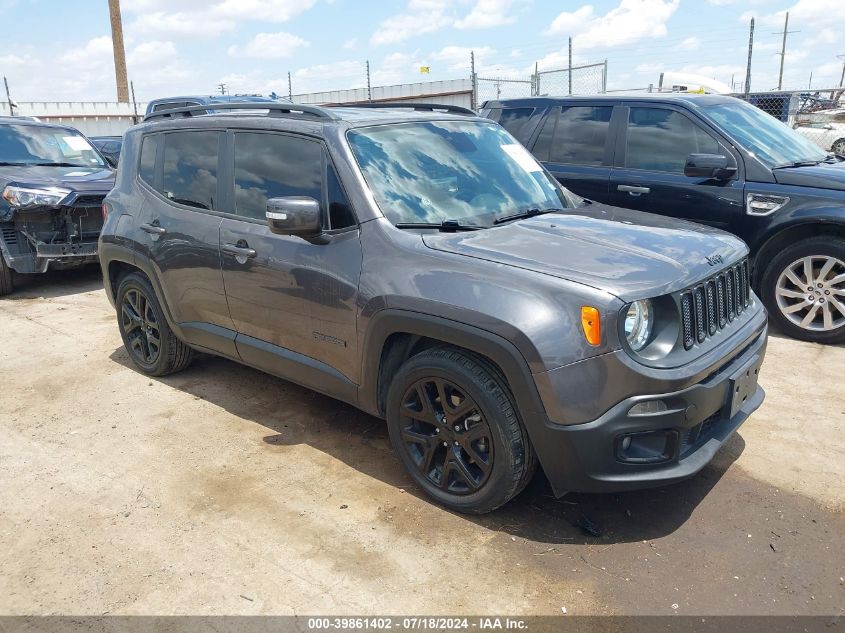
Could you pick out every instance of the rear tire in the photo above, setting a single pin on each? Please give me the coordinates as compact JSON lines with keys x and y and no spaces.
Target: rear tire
{"x":803,"y":287}
{"x":838,"y":147}
{"x":151,"y":344}
{"x":6,"y":277}
{"x":472,"y":454}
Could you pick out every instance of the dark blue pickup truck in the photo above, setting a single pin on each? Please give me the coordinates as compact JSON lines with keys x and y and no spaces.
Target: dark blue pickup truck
{"x":715,"y":160}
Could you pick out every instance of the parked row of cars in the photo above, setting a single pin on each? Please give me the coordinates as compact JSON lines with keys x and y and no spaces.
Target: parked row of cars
{"x":419,"y":263}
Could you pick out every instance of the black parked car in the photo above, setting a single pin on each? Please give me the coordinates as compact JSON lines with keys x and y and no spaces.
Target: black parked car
{"x":425,"y":268}
{"x":109,"y":147}
{"x":715,"y":160}
{"x":52,"y":185}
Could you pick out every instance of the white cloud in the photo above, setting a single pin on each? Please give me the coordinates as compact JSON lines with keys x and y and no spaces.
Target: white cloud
{"x":809,"y":13}
{"x":486,"y":14}
{"x":424,"y":16}
{"x":457,"y":58}
{"x":631,"y":21}
{"x":194,"y":18}
{"x":151,"y":53}
{"x":690,"y":43}
{"x":270,"y":46}
{"x":351,"y":44}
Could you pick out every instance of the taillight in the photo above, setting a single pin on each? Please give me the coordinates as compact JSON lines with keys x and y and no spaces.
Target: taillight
{"x":105,"y":211}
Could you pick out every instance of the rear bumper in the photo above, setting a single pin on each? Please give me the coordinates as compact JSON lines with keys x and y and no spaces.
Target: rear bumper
{"x":696,"y":422}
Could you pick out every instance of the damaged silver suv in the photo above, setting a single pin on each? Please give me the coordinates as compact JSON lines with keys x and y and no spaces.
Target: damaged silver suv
{"x":52,"y":185}
{"x":425,"y":268}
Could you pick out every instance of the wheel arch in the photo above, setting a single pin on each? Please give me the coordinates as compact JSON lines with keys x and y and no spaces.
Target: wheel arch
{"x":394,"y":335}
{"x":791,"y":234}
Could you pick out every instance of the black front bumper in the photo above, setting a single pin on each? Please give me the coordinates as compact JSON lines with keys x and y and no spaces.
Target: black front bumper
{"x":696,"y":422}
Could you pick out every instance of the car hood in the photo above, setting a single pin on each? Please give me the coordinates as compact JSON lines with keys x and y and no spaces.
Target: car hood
{"x":823,"y":176}
{"x":90,"y":180}
{"x":630,"y":254}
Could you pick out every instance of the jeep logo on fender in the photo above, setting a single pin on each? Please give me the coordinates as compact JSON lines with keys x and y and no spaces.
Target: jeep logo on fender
{"x":713,"y":260}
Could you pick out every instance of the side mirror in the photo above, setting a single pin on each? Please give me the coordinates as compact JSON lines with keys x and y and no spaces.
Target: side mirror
{"x":294,"y":215}
{"x":709,"y":166}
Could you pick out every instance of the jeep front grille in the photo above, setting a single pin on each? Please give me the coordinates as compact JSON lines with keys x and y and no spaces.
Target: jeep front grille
{"x":711,"y":305}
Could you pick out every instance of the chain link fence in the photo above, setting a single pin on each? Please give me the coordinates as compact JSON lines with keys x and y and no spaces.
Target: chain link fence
{"x":578,"y":80}
{"x":818,"y":115}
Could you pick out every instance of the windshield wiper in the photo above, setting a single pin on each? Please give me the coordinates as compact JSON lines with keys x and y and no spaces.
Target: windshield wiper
{"x":528,"y":213}
{"x":447,"y":226}
{"x":798,"y":163}
{"x":8,"y":164}
{"x":48,"y":164}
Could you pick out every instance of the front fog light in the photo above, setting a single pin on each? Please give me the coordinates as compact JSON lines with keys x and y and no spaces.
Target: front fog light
{"x":638,"y":324}
{"x":649,"y":407}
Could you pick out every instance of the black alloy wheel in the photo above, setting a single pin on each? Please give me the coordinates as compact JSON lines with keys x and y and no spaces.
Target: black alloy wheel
{"x":445,"y":434}
{"x":139,"y":323}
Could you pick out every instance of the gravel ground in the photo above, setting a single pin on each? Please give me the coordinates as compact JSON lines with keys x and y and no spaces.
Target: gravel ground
{"x":224,"y":490}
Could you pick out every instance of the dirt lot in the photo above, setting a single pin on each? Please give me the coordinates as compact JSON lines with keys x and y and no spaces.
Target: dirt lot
{"x":223,"y":490}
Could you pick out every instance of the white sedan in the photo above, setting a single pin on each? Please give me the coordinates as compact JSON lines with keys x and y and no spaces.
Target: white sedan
{"x":826,"y":132}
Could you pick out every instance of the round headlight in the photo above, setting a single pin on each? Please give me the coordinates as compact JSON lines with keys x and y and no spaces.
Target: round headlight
{"x":638,"y":323}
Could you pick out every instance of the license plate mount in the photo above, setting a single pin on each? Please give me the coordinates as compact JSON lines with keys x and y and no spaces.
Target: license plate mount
{"x":743,"y":384}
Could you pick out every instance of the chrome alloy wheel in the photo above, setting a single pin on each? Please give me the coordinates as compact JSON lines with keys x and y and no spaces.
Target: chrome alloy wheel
{"x":810,"y":293}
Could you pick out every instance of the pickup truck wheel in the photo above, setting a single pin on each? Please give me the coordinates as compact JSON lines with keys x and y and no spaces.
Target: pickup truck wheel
{"x":152,"y":345}
{"x":453,"y":424}
{"x":838,"y":147}
{"x":804,"y":289}
{"x":6,"y":281}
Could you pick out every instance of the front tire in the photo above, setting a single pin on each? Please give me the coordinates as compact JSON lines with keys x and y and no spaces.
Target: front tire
{"x":804,"y":289}
{"x":838,"y":147}
{"x":151,"y":344}
{"x":453,"y":423}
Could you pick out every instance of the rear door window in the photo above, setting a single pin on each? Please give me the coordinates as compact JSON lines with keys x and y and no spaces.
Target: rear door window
{"x":574,"y":135}
{"x":516,"y":121}
{"x":147,"y":167}
{"x":660,"y":139}
{"x":190,"y":168}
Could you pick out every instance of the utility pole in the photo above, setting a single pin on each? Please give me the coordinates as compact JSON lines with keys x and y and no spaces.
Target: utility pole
{"x":472,"y":79}
{"x":748,"y":67}
{"x":222,"y":88}
{"x":786,"y":32}
{"x":570,"y":65}
{"x":369,"y":88}
{"x":842,"y":77}
{"x":119,"y":52}
{"x":290,"y":89}
{"x":9,"y":97}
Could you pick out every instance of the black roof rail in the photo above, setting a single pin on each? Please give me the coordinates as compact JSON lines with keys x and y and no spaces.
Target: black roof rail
{"x":274,"y":109}
{"x":426,"y":107}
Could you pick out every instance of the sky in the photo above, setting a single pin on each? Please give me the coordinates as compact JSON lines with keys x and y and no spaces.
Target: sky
{"x":60,"y":50}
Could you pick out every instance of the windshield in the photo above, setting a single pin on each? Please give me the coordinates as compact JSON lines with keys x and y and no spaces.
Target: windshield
{"x":467,"y":171}
{"x":36,"y":145}
{"x":773,"y":142}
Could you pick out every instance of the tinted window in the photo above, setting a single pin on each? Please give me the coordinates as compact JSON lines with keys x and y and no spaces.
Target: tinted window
{"x":515,"y":121}
{"x":574,"y":135}
{"x":274,"y":166}
{"x":190,"y":168}
{"x":170,"y":105}
{"x":661,"y":140}
{"x":340,"y":213}
{"x":148,"y":159}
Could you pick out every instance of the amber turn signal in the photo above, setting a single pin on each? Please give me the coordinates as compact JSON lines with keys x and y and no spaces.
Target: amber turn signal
{"x":591,"y":322}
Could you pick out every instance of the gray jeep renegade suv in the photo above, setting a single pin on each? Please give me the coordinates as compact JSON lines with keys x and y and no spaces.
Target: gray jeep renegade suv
{"x":423,"y":267}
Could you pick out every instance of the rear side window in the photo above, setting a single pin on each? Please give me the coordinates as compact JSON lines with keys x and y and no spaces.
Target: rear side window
{"x":515,"y":121}
{"x":147,"y":168}
{"x":575,"y":135}
{"x":661,"y":140}
{"x":274,"y":166}
{"x":190,"y":168}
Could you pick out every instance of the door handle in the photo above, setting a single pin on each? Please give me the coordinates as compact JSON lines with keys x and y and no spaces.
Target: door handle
{"x":633,"y":191}
{"x":241,"y":252}
{"x":153,"y":229}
